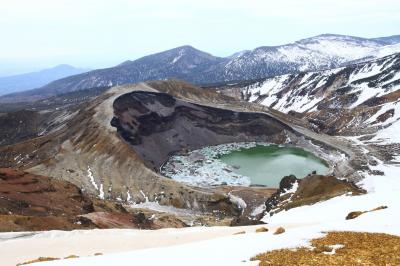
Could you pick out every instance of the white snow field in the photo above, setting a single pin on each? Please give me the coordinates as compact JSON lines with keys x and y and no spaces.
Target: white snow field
{"x":215,"y":245}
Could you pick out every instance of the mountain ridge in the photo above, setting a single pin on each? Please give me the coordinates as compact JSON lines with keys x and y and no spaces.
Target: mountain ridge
{"x":31,"y":80}
{"x":190,"y":64}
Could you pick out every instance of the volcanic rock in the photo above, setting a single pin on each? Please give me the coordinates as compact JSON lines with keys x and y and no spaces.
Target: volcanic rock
{"x":261,"y":230}
{"x":355,"y":214}
{"x":279,"y":230}
{"x":310,"y":190}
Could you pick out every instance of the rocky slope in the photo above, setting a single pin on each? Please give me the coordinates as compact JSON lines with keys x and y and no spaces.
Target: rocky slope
{"x":31,"y":202}
{"x":25,"y":199}
{"x":192,"y":65}
{"x":23,"y":121}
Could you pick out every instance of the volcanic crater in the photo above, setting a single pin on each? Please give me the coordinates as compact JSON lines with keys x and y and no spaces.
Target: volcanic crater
{"x":114,"y":145}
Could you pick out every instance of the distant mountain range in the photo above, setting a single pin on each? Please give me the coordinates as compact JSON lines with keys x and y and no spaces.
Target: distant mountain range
{"x":187,"y":63}
{"x":34,"y":80}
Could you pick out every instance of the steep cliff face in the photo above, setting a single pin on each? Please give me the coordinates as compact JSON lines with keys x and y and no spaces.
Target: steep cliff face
{"x":157,"y":125}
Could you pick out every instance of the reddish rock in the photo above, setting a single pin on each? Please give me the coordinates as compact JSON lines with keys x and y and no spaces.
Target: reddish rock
{"x":27,"y":194}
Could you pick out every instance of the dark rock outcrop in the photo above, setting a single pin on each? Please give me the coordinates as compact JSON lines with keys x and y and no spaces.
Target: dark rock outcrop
{"x":243,"y":221}
{"x":286,"y":184}
{"x":355,"y":214}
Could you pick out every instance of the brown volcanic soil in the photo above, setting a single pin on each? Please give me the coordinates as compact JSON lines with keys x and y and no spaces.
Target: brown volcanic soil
{"x":31,"y":202}
{"x":27,"y":194}
{"x":358,"y":249}
{"x":317,"y":188}
{"x":17,"y":223}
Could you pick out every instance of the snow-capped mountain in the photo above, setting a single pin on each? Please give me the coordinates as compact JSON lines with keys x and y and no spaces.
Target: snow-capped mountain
{"x":320,"y":52}
{"x":187,"y":63}
{"x":361,"y":96}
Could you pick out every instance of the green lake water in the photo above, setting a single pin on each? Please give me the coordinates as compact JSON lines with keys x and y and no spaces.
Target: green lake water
{"x":266,"y":165}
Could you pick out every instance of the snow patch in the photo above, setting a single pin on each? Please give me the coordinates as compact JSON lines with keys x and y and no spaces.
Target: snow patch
{"x":146,"y":199}
{"x":258,"y":210}
{"x":155,"y":206}
{"x":240,"y":203}
{"x":128,"y":196}
{"x":91,"y":178}
{"x":101,"y":192}
{"x":334,"y":248}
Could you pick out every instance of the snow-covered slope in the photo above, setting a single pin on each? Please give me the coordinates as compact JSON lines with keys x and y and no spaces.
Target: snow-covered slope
{"x":360,"y":96}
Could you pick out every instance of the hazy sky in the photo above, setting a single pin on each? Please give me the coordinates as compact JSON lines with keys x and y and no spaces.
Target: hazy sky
{"x":98,"y":33}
